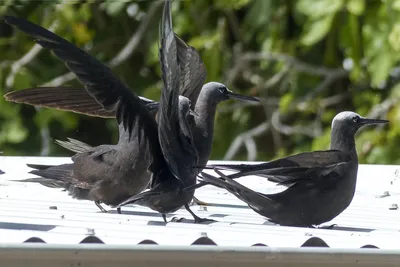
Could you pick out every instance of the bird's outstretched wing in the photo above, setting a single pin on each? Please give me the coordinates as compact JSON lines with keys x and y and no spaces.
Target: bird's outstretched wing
{"x":80,"y":101}
{"x":76,"y":100}
{"x":192,"y":69}
{"x":97,"y":78}
{"x":62,"y":98}
{"x":169,"y":114}
{"x":175,"y":136}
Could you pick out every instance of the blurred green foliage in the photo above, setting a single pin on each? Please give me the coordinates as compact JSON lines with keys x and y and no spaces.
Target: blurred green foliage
{"x":307,"y":60}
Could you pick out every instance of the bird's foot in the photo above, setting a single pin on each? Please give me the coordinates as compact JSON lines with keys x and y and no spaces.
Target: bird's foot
{"x":118,"y":211}
{"x":176,"y":219}
{"x":327,"y":226}
{"x":196,"y":201}
{"x":203,"y":220}
{"x":196,"y":218}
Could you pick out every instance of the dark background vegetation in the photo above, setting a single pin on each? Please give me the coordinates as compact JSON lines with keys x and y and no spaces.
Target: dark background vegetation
{"x":307,"y":60}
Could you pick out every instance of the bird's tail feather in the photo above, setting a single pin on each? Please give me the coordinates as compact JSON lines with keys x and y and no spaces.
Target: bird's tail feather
{"x":39,"y":166}
{"x":137,"y":198}
{"x":74,"y":145}
{"x":60,"y":174}
{"x":44,"y":181}
{"x":240,"y":191}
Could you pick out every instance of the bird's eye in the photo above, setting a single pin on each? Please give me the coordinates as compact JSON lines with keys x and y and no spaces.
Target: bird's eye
{"x":222,"y":89}
{"x":356,"y":119}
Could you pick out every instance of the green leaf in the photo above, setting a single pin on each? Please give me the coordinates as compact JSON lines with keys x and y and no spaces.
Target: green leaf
{"x":285,"y":102}
{"x":23,"y":79}
{"x":231,"y":4}
{"x":396,"y":5}
{"x":394,"y":37}
{"x":13,"y":132}
{"x":356,"y":7}
{"x":320,"y":8}
{"x":380,"y":66}
{"x":113,"y":8}
{"x":316,"y":30}
{"x":259,"y":14}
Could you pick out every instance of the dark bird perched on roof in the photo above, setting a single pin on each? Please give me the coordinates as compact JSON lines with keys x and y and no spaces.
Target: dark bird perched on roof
{"x":107,"y":173}
{"x":204,"y":98}
{"x":321,"y":184}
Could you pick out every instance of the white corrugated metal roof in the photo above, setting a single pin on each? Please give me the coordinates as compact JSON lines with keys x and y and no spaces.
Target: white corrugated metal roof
{"x":33,"y":213}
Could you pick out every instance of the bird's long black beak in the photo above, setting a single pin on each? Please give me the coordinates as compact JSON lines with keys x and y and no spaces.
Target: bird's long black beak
{"x":233,"y":95}
{"x":366,"y":121}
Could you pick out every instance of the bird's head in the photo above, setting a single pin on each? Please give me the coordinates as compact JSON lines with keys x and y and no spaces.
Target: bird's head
{"x":219,"y":92}
{"x":349,"y":122}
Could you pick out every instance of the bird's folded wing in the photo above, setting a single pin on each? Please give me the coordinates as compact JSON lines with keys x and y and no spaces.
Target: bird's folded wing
{"x":97,"y":78}
{"x":303,"y":160}
{"x":287,"y":170}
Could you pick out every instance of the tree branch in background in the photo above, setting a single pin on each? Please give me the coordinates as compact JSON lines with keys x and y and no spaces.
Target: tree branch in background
{"x":125,"y":52}
{"x":290,"y":130}
{"x":295,"y":63}
{"x":380,"y":109}
{"x":28,"y":57}
{"x":330,"y":75}
{"x":247,"y":138}
{"x":15,"y":68}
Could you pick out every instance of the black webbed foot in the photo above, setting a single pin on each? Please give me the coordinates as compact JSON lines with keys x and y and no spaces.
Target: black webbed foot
{"x":330,"y":227}
{"x":196,"y":218}
{"x":100,"y":207}
{"x":176,"y":219}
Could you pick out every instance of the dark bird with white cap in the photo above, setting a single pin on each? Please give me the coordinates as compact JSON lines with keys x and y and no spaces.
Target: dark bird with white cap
{"x":320,"y":184}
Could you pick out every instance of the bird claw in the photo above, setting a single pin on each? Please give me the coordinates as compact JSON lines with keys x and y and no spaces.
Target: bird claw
{"x":176,"y":219}
{"x":118,"y":211}
{"x":327,"y":226}
{"x":203,"y":220}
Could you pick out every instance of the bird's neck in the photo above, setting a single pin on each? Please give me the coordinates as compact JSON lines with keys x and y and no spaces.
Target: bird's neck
{"x":344,"y":142}
{"x":204,"y":126}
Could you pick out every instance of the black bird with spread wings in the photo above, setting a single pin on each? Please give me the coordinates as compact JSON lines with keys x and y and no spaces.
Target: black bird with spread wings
{"x":175,"y":134}
{"x":204,"y":98}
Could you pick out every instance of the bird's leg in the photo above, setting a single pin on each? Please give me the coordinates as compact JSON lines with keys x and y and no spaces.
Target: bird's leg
{"x":164,"y":217}
{"x":197,"y":219}
{"x":119,"y":210}
{"x":97,"y":202}
{"x":196,"y":201}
